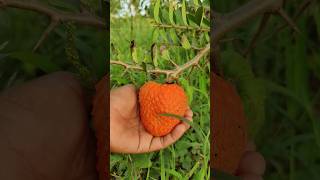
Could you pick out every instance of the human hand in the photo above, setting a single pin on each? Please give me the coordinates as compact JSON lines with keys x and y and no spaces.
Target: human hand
{"x":44,"y":131}
{"x":127,"y":134}
{"x":252,"y":164}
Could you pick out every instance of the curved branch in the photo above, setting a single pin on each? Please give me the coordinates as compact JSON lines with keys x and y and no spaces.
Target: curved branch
{"x":56,"y":16}
{"x":61,"y":16}
{"x":170,"y":73}
{"x":201,"y":29}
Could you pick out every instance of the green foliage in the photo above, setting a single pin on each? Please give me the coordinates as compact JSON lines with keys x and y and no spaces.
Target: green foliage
{"x":158,"y":39}
{"x":283,"y":72}
{"x":251,"y":89}
{"x":18,"y":63}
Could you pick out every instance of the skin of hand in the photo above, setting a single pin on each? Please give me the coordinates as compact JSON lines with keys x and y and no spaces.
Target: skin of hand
{"x":44,"y":131}
{"x":127,"y":134}
{"x":252,"y":164}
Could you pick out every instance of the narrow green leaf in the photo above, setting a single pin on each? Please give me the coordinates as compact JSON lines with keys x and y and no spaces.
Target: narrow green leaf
{"x":156,"y":11}
{"x":162,"y":169}
{"x":184,"y":12}
{"x":199,"y":16}
{"x":192,"y":171}
{"x":173,"y":36}
{"x":174,"y":173}
{"x":185,"y":42}
{"x":155,"y":35}
{"x":177,"y":117}
{"x":3,"y":45}
{"x":171,"y":13}
{"x":196,"y":3}
{"x":165,"y":54}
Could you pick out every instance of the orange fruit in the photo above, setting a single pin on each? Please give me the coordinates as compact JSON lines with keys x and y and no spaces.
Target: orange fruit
{"x":228,"y":127}
{"x":156,"y":99}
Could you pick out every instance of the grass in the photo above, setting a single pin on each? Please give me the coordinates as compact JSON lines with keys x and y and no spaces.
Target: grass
{"x":189,"y":157}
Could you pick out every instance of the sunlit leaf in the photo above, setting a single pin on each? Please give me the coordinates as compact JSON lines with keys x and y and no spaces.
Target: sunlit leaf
{"x":171,"y":10}
{"x":185,"y":42}
{"x":156,"y":11}
{"x":184,"y":12}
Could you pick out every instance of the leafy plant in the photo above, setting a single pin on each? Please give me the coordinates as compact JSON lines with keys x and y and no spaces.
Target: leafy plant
{"x":170,"y":42}
{"x":276,"y":74}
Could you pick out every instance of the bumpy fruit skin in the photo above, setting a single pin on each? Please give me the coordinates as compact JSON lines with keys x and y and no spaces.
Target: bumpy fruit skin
{"x":156,"y":99}
{"x":228,"y":126}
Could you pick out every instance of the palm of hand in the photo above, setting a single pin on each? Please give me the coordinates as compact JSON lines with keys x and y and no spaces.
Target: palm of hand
{"x":127,"y":133}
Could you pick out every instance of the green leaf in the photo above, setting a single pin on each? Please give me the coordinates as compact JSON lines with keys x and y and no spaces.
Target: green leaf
{"x":171,"y":10}
{"x":162,"y":170}
{"x":155,"y":35}
{"x":178,"y":117}
{"x":165,"y":54}
{"x":185,"y":42}
{"x":199,"y":16}
{"x":34,"y":60}
{"x":173,"y":36}
{"x":174,"y":173}
{"x":183,"y":12}
{"x":196,"y":3}
{"x":156,"y":11}
{"x":251,"y":90}
{"x":205,"y":22}
{"x":164,"y":16}
{"x":178,"y":16}
{"x":3,"y":45}
{"x":141,"y":160}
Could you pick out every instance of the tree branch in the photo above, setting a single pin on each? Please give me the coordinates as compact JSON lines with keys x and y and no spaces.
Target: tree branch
{"x":182,"y":27}
{"x":171,"y":74}
{"x":233,"y":20}
{"x":61,"y":16}
{"x":57,"y":16}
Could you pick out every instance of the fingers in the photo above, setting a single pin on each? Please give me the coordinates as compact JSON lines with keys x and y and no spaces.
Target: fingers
{"x":252,"y":163}
{"x":124,"y":100}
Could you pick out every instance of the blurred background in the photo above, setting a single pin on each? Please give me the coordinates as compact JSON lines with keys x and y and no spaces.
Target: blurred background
{"x":279,"y":80}
{"x":70,"y":46}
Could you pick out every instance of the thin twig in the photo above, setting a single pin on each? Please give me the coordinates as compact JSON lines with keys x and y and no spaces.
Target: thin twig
{"x":170,"y":73}
{"x":44,"y":35}
{"x":301,"y":9}
{"x":290,"y":22}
